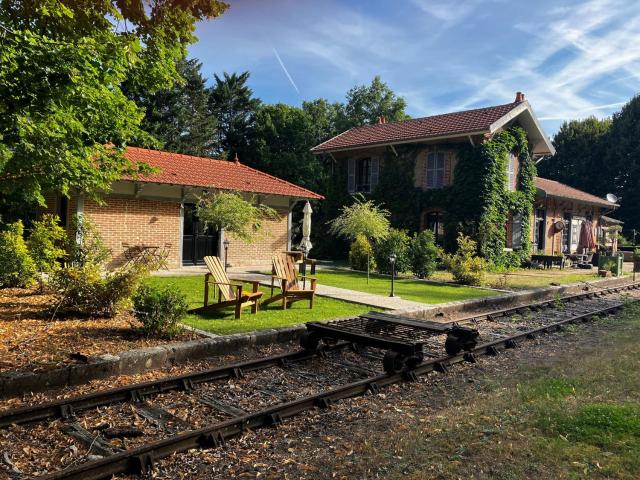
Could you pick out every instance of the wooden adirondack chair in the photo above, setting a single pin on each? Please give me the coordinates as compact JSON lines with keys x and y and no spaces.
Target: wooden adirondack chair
{"x":229,"y":294}
{"x":292,"y":289}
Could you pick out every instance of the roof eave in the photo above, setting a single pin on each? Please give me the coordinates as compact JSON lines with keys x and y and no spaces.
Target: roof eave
{"x":317,"y":151}
{"x":602,"y":204}
{"x":547,"y":149}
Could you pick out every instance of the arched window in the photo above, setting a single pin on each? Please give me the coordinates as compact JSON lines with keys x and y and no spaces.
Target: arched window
{"x":433,"y":222}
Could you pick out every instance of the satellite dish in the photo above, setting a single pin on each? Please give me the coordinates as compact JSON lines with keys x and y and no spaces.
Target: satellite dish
{"x":612,"y":198}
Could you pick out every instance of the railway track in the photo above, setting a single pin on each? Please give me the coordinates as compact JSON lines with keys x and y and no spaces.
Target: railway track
{"x":128,"y":429}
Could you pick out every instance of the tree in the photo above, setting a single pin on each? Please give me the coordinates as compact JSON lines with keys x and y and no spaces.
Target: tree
{"x":46,"y":244}
{"x":361,"y":218}
{"x":180,"y":118}
{"x":64,"y":117}
{"x":366,"y":104}
{"x":230,"y":212}
{"x":283,"y":135}
{"x":232,"y":103}
{"x":624,"y":159}
{"x":581,"y":146}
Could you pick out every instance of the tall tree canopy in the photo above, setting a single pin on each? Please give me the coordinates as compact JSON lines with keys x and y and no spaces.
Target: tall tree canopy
{"x":624,"y":157}
{"x":62,"y":66}
{"x":180,"y":117}
{"x":234,"y":106}
{"x":581,"y":146}
{"x":365,"y":104}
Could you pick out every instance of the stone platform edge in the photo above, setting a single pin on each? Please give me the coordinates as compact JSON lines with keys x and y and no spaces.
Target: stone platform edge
{"x":152,"y":358}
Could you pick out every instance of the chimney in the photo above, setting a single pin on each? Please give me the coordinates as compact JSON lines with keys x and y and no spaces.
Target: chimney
{"x":236,"y":159}
{"x":380,"y":120}
{"x":519,"y":97}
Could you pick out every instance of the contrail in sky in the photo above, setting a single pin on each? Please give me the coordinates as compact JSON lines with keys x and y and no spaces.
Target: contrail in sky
{"x":286,"y":72}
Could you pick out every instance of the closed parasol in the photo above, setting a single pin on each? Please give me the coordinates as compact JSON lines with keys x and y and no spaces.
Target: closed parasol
{"x":305,"y":244}
{"x":586,"y":240}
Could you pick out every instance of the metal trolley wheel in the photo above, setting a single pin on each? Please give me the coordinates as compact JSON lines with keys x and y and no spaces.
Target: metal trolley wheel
{"x":310,"y":341}
{"x":394,"y":362}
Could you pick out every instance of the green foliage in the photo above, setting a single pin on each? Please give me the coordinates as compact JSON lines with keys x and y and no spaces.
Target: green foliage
{"x":361,"y":251}
{"x":362,"y":217}
{"x":87,"y":246}
{"x":424,"y":254}
{"x":396,"y":242}
{"x":581,"y":146}
{"x":365,"y":104}
{"x":232,"y":103}
{"x":17,"y":268}
{"x":62,"y":68}
{"x":46,"y":243}
{"x":87,"y":290}
{"x":179,"y":117}
{"x":231,"y":212}
{"x":160,"y":309}
{"x":465,"y":266}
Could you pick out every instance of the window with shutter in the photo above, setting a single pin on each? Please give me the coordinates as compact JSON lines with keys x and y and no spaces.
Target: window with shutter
{"x":375,"y":172}
{"x":435,"y":169}
{"x":516,"y":232}
{"x":351,"y":175}
{"x":511,"y":173}
{"x":363,"y":175}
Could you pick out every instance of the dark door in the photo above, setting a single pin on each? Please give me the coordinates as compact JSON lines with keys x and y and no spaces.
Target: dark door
{"x":539,"y":229}
{"x":197,"y":242}
{"x":566,"y":233}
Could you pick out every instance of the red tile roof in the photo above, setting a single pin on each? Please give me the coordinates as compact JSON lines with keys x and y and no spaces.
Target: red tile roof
{"x":187,"y":170}
{"x":478,"y":120}
{"x":560,"y":190}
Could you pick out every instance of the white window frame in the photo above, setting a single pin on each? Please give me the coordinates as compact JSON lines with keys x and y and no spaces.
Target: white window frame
{"x":511,"y":173}
{"x":434,"y":177}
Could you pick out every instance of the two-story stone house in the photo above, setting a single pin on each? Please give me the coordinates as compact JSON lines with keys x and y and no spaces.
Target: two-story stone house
{"x":434,"y":143}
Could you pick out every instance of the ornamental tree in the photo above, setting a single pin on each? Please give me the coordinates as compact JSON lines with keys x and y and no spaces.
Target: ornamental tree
{"x":64,"y":119}
{"x":230,"y":212}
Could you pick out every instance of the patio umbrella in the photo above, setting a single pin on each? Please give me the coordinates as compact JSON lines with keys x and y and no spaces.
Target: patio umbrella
{"x":586,"y":240}
{"x":305,"y":244}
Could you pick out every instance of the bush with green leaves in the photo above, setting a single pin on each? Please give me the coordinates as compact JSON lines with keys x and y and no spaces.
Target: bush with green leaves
{"x":424,"y":254}
{"x":17,"y":268}
{"x":396,"y":242}
{"x":360,"y":251}
{"x":86,"y":246}
{"x":46,"y":243}
{"x":159,"y":309}
{"x":88,"y":290}
{"x":465,"y":266}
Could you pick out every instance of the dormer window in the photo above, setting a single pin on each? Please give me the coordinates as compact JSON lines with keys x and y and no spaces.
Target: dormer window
{"x":511,"y":173}
{"x":435,"y":169}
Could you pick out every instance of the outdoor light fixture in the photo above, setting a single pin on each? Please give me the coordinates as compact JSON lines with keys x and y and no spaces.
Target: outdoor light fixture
{"x":392,"y":259}
{"x":226,"y":253}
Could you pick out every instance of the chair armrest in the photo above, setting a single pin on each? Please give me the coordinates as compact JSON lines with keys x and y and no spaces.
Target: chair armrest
{"x":213,"y":282}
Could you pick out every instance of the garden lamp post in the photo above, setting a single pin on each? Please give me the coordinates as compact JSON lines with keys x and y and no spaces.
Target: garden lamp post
{"x":226,"y":253}
{"x":392,"y":260}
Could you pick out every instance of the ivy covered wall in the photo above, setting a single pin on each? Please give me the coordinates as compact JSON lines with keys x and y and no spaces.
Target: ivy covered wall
{"x":477,"y":203}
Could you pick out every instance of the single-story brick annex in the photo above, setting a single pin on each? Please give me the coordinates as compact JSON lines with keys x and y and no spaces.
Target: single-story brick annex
{"x":159,"y":209}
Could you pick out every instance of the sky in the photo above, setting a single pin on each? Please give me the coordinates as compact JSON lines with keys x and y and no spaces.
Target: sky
{"x":572,"y":59}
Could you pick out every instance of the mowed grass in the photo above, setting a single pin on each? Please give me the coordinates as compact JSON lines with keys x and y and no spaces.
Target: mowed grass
{"x":272,"y":316}
{"x":572,"y":416}
{"x":409,"y":289}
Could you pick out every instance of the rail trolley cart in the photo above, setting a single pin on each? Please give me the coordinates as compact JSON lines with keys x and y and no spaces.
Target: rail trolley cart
{"x":402,"y":337}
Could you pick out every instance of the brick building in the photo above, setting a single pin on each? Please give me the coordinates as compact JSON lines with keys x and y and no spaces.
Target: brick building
{"x":159,"y":209}
{"x":428,"y":147}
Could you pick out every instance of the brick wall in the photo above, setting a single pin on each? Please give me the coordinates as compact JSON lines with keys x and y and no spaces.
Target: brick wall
{"x":136,"y":221}
{"x":273,"y":239}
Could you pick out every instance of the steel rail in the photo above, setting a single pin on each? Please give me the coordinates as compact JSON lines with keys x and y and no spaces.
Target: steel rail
{"x":141,"y":460}
{"x":66,"y":408}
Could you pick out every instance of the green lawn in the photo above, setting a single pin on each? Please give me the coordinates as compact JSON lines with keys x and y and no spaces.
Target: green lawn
{"x":272,"y":316}
{"x":409,"y":289}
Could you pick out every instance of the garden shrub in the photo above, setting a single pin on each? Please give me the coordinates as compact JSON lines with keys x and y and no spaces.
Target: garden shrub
{"x":396,"y":242}
{"x":86,"y":246}
{"x":89,"y":291}
{"x":159,"y":309}
{"x":465,"y":266}
{"x":17,"y":268}
{"x":46,"y":243}
{"x":424,"y":254}
{"x":361,"y":250}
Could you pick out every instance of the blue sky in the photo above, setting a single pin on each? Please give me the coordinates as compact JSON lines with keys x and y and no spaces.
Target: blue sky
{"x":572,"y":59}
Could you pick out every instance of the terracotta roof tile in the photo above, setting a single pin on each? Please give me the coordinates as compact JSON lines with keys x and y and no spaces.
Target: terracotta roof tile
{"x":187,"y":170}
{"x":478,"y":120}
{"x":560,"y":190}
